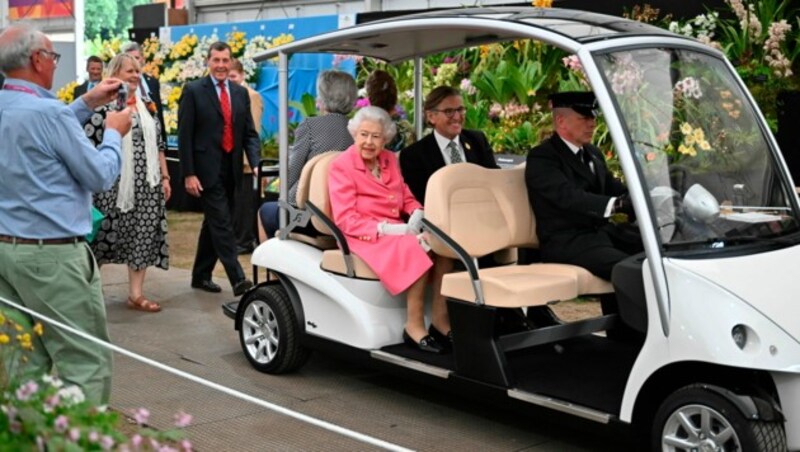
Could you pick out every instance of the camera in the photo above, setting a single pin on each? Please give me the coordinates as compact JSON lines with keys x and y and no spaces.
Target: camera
{"x":122,"y":97}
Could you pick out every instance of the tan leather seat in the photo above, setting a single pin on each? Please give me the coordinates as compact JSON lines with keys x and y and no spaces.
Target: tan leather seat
{"x":486,"y":210}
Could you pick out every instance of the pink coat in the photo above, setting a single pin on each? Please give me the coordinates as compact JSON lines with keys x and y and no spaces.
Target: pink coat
{"x":360,"y":201}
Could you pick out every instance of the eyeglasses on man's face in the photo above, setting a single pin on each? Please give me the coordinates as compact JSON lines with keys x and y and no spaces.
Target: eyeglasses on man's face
{"x":55,"y":56}
{"x":450,"y":112}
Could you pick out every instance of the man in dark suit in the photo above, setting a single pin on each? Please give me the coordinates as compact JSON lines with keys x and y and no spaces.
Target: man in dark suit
{"x":449,"y":142}
{"x":149,"y":87}
{"x":94,"y":68}
{"x":214,"y":128}
{"x":573,"y":194}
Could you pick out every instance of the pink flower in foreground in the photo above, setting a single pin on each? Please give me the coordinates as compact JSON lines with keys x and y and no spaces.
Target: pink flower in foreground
{"x":141,"y":415}
{"x":74,"y":434}
{"x":362,"y":102}
{"x":107,"y":442}
{"x":25,"y":391}
{"x":186,"y":445}
{"x":61,"y":424}
{"x":182,"y":419}
{"x":136,"y":440}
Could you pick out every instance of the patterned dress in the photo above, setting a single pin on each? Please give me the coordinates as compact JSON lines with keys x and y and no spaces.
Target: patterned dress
{"x":137,"y":238}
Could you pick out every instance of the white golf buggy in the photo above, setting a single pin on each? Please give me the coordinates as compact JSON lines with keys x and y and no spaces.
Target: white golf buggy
{"x":711,"y":355}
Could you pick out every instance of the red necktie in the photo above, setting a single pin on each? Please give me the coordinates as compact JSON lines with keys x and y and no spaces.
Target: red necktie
{"x":227,"y":127}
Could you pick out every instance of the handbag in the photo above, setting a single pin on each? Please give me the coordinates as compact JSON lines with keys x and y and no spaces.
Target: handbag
{"x":97,"y":220}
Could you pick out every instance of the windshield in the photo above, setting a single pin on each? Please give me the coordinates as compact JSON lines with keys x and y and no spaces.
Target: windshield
{"x":705,"y":162}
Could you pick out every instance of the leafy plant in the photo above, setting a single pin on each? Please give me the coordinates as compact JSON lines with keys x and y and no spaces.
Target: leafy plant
{"x":43,"y":413}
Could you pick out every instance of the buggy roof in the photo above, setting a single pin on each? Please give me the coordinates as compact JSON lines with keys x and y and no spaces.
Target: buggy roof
{"x":417,"y":35}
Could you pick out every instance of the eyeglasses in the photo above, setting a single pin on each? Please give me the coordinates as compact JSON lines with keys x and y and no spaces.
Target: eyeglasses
{"x":450,"y":112}
{"x":55,"y":56}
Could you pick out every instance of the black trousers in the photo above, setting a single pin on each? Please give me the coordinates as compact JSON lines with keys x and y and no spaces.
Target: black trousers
{"x":595,"y":250}
{"x":217,"y":239}
{"x":244,"y":216}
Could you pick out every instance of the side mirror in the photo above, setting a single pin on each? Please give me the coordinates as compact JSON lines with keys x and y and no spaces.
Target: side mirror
{"x":700,"y":204}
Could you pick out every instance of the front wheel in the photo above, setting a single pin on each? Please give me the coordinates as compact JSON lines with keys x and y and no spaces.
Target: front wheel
{"x":696,"y":419}
{"x":269,"y":334}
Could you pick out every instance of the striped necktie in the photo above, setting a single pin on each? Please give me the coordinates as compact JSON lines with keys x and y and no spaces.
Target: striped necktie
{"x":455,"y":153}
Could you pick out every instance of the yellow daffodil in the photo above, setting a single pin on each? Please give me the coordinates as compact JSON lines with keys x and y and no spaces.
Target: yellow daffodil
{"x":687,"y":150}
{"x":686,"y":128}
{"x":704,"y":145}
{"x":689,"y":140}
{"x":698,"y":134}
{"x":38,"y":329}
{"x":4,"y":339}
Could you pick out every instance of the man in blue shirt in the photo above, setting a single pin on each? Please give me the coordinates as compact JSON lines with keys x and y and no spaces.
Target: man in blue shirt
{"x":48,"y":171}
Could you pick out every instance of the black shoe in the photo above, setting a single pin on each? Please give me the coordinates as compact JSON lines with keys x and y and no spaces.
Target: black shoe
{"x":426,"y":344}
{"x":242,"y":287}
{"x":444,"y":340}
{"x":207,"y":285}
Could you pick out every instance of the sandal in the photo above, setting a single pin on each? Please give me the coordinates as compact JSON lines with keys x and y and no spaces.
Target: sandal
{"x":143,"y":304}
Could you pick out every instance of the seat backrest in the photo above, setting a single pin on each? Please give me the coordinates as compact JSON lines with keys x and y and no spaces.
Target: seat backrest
{"x":318,"y":190}
{"x":304,"y":183}
{"x":484,"y":210}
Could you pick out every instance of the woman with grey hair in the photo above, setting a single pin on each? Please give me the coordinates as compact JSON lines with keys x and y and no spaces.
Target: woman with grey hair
{"x":336,"y":97}
{"x":380,"y":218}
{"x":134,"y":231}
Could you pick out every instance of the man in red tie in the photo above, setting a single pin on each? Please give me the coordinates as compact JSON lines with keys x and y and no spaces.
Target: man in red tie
{"x":214,"y":128}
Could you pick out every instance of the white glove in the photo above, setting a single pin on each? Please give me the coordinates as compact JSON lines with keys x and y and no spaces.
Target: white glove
{"x":385,"y":228}
{"x":415,"y":221}
{"x":423,"y":243}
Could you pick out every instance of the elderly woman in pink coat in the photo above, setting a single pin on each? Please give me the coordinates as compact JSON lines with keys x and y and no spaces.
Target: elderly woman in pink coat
{"x":377,"y":213}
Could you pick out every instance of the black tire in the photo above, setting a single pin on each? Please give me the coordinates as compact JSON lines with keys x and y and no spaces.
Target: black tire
{"x":695,"y":401}
{"x":268,"y":334}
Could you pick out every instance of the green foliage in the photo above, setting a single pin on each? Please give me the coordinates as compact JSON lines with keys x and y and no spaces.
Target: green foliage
{"x":100,"y":19}
{"x":307,"y":106}
{"x":108,"y":18}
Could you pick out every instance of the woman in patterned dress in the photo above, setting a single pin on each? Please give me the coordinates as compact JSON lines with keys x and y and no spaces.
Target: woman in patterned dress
{"x":134,"y":231}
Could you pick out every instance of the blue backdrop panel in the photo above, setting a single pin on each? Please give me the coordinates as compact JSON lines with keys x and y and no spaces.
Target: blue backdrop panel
{"x":303,"y":68}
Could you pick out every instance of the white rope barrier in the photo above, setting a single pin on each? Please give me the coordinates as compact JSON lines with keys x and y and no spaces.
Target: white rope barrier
{"x":210,"y":384}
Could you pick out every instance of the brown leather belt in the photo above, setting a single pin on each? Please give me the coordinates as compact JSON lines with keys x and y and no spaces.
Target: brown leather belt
{"x":21,"y":241}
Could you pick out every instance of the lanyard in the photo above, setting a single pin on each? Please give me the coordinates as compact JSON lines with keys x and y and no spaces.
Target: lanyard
{"x":19,"y":88}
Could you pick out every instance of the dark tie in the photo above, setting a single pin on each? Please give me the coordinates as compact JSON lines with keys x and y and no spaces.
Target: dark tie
{"x":227,"y":126}
{"x":584,"y":156}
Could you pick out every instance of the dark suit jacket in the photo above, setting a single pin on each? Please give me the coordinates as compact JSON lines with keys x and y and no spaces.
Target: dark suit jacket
{"x":80,"y":90}
{"x":200,"y":131}
{"x":566,"y":197}
{"x":155,"y":95}
{"x":420,"y":160}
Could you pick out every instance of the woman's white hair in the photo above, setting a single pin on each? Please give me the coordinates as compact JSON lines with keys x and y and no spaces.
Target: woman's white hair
{"x":336,"y":91}
{"x":374,"y":114}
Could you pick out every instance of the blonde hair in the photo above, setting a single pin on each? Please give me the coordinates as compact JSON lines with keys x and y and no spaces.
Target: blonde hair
{"x":115,"y":65}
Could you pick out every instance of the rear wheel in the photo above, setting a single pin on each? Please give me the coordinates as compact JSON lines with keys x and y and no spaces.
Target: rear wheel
{"x":696,"y":419}
{"x":269,"y":334}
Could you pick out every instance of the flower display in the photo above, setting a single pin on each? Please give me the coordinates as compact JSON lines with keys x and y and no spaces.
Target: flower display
{"x":183,"y":48}
{"x":505,"y":84}
{"x":67,"y":92}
